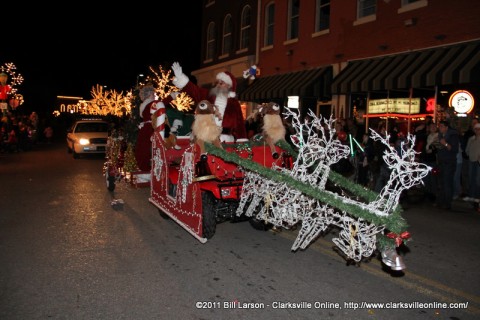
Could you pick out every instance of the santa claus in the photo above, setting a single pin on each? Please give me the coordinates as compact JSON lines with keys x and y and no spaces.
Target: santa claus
{"x":150,"y":107}
{"x":223,"y":96}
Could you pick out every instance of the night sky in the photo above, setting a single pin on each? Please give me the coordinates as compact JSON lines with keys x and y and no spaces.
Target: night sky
{"x":69,"y":51}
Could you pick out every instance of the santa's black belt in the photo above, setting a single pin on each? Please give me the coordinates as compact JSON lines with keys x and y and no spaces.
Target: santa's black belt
{"x":226,"y":131}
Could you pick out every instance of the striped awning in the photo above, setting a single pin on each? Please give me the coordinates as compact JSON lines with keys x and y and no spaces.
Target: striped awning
{"x":448,"y":65}
{"x":309,"y":83}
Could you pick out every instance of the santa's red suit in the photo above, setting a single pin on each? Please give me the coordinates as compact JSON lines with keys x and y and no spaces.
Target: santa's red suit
{"x":233,"y":123}
{"x":143,"y":146}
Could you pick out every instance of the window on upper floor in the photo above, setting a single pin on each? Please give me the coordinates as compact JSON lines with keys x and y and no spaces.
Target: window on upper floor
{"x":210,"y":41}
{"x":269,"y":24}
{"x":322,"y":15}
{"x":245,"y":27}
{"x":293,"y":17}
{"x":227,"y":35}
{"x":366,"y":8}
{"x":408,"y":5}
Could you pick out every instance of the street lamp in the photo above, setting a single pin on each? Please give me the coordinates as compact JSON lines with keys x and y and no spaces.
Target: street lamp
{"x":138,"y":76}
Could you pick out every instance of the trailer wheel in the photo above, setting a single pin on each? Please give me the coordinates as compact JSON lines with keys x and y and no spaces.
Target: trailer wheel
{"x":209,"y":219}
{"x":163,"y":215}
{"x":259,"y":224}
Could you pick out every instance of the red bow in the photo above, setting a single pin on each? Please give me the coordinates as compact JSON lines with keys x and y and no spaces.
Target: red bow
{"x":399,"y":237}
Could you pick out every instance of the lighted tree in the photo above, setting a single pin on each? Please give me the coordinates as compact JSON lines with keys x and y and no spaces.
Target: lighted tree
{"x":163,"y":88}
{"x":15,"y":79}
{"x":130,"y":164}
{"x":109,"y":102}
{"x":162,"y":82}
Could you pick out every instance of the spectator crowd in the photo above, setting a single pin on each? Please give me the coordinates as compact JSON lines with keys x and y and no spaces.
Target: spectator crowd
{"x":21,"y":132}
{"x":452,"y":152}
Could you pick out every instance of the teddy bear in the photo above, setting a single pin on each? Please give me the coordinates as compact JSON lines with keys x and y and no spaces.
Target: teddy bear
{"x":204,"y":127}
{"x":273,"y":129}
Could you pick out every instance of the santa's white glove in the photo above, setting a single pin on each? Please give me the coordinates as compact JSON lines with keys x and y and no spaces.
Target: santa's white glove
{"x":177,"y":69}
{"x":180,"y":79}
{"x":176,"y":125}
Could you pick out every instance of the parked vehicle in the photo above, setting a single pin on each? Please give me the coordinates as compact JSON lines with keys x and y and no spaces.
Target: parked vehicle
{"x":87,"y":136}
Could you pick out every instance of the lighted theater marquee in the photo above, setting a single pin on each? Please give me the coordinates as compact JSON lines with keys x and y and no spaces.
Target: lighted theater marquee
{"x":462,"y":101}
{"x":394,"y":105}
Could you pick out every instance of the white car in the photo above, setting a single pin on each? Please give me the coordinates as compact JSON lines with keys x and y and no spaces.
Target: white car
{"x":87,"y":136}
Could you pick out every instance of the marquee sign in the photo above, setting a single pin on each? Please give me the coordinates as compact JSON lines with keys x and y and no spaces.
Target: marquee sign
{"x":394,"y":105}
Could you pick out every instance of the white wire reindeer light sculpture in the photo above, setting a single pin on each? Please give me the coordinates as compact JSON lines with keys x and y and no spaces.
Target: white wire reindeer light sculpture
{"x":283,"y":206}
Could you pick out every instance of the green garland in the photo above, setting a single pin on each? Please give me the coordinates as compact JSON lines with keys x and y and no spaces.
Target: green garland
{"x":393,"y":222}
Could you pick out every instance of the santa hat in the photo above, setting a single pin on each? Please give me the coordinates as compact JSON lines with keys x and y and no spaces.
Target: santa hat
{"x":229,"y":79}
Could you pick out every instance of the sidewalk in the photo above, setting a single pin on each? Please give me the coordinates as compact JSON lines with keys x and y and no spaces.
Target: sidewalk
{"x":415,"y":198}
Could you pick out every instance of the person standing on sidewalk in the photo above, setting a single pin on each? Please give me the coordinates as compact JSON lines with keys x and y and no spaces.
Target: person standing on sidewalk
{"x":473,"y":152}
{"x":447,"y":162}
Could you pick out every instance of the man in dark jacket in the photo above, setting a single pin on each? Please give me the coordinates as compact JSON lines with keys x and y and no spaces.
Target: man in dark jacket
{"x":449,"y":142}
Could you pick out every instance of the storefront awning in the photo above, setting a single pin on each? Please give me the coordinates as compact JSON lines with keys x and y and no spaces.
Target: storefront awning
{"x":309,"y":83}
{"x":449,"y":65}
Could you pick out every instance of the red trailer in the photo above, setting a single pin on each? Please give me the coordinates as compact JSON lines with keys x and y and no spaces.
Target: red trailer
{"x":200,"y":194}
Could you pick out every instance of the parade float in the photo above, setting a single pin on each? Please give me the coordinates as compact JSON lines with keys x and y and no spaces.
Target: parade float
{"x":294,"y":189}
{"x":275,"y":184}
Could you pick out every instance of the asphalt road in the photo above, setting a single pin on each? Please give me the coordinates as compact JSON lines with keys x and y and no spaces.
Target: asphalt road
{"x":66,"y":253}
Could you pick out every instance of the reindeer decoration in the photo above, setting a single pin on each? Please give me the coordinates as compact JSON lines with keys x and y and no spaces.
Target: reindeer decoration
{"x":318,"y":149}
{"x":405,"y":173}
{"x":273,"y":129}
{"x":276,"y":202}
{"x":204,"y":128}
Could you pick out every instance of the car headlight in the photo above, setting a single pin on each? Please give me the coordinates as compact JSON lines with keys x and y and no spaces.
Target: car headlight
{"x":84,"y":141}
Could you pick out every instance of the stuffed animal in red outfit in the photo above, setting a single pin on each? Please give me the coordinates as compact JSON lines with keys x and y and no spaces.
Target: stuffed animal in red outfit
{"x":204,"y":127}
{"x":273,"y":129}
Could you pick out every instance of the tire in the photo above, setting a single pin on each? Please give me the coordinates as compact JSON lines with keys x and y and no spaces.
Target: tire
{"x":110,"y":182}
{"x":163,"y":215}
{"x":75,"y":155}
{"x":259,"y":224}
{"x":209,"y":219}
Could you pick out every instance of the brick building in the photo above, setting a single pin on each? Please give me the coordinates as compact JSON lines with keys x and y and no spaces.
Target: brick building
{"x":338,"y":56}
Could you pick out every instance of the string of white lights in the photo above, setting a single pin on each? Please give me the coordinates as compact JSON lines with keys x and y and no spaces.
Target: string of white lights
{"x":318,"y":148}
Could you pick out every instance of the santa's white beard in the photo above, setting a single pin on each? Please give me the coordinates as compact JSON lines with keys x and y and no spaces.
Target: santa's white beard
{"x":219,"y":91}
{"x":221,"y":97}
